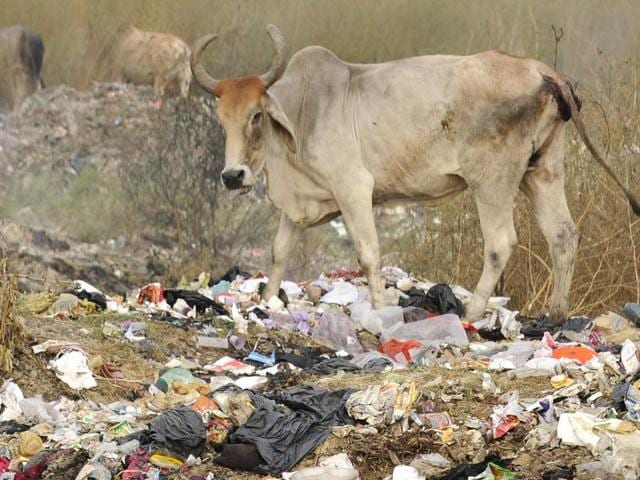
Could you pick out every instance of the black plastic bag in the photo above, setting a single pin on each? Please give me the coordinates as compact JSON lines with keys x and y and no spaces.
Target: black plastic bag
{"x":193,"y":299}
{"x":283,"y":436}
{"x":439,"y":299}
{"x":94,"y":297}
{"x":229,"y":276}
{"x":333,"y":365}
{"x":180,"y":430}
{"x":463,"y":472}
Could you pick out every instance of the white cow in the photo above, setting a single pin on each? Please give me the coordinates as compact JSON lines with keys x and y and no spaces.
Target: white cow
{"x":336,"y":138}
{"x":150,"y":58}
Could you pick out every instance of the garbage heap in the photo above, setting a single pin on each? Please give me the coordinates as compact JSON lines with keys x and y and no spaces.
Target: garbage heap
{"x":315,"y":383}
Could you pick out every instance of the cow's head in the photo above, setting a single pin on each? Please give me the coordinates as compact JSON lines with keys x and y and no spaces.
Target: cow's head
{"x":249,"y":116}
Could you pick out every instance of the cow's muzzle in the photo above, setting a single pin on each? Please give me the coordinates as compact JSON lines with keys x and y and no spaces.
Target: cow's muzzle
{"x":233,"y":179}
{"x":241,"y":179}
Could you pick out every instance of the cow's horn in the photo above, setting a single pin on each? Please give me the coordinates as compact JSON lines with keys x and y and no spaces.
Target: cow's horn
{"x":205,"y":80}
{"x":279,"y":60}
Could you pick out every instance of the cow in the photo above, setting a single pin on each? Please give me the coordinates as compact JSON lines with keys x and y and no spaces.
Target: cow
{"x":336,"y":138}
{"x":150,"y":58}
{"x":21,"y":55}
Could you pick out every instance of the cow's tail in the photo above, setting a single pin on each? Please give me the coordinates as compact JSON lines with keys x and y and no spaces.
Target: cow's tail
{"x":568,"y":97}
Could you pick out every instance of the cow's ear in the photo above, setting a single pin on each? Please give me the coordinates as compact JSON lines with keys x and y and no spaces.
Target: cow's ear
{"x":281,"y":123}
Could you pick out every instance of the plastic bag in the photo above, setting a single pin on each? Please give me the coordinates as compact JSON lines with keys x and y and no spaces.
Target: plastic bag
{"x":629,"y":357}
{"x":343,"y":293}
{"x":72,"y":367}
{"x":337,"y":331}
{"x":516,"y":356}
{"x":445,"y":329}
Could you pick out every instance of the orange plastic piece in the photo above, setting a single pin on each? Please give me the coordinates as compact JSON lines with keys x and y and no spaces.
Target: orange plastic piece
{"x":575,"y":352}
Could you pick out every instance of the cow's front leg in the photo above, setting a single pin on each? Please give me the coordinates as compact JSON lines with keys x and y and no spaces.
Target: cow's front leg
{"x":286,"y":238}
{"x":357,"y":209}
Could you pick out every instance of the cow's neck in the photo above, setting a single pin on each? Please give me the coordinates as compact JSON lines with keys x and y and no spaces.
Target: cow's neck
{"x":295,"y":189}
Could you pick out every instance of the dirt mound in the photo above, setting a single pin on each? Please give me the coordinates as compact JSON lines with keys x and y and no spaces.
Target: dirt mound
{"x":63,"y":129}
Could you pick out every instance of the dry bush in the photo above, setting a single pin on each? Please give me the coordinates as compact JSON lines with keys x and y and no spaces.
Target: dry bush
{"x":11,"y":329}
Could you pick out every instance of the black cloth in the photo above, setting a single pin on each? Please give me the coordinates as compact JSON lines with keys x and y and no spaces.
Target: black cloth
{"x":439,"y":299}
{"x":180,"y":430}
{"x":283,"y":436}
{"x":193,"y":299}
{"x":463,"y":472}
{"x":333,"y":365}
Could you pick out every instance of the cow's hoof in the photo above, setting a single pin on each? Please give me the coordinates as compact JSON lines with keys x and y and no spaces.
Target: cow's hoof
{"x":557,"y":317}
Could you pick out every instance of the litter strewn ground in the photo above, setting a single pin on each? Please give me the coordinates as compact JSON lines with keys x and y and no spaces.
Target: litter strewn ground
{"x":205,"y":380}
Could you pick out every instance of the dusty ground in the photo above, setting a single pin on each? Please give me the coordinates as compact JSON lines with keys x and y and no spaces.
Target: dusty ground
{"x":373,"y":455}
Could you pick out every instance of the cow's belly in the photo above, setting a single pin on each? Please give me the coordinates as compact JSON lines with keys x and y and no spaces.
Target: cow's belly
{"x":430,"y":189}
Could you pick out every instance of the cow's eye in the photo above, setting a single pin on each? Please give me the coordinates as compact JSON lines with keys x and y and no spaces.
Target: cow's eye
{"x":256,"y":118}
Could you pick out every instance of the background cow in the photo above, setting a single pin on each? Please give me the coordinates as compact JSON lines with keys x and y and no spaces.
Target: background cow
{"x":21,"y":54}
{"x":335,"y":138}
{"x":149,"y":58}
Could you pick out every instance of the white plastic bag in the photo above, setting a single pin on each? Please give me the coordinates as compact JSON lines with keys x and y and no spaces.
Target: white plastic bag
{"x":445,"y":329}
{"x":72,"y":367}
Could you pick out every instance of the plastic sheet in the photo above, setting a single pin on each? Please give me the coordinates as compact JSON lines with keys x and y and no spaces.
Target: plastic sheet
{"x":283,"y":439}
{"x":337,"y":331}
{"x":343,"y":293}
{"x":445,"y":329}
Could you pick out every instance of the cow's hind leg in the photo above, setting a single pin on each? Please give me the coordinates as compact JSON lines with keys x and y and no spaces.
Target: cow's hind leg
{"x":284,"y":243}
{"x":545,"y":188}
{"x":495,"y":209}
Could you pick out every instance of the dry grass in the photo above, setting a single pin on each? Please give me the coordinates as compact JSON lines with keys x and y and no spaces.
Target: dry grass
{"x":12,"y":333}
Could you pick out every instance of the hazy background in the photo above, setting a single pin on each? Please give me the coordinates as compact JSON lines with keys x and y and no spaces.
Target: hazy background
{"x":598,"y":47}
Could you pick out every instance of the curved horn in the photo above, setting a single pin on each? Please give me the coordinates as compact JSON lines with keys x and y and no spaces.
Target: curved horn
{"x":206,"y":81}
{"x":279,"y":60}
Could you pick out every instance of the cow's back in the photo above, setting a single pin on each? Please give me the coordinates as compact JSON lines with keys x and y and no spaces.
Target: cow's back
{"x":418,"y":123}
{"x":142,"y":56}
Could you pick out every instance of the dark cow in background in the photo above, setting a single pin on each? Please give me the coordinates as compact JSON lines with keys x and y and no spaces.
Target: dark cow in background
{"x":21,"y":54}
